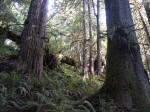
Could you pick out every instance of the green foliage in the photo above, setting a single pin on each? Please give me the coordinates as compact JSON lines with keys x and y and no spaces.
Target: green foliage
{"x":7,"y":50}
{"x":87,"y":106}
{"x":105,"y":106}
{"x":6,"y":14}
{"x":56,"y":45}
{"x":55,"y":92}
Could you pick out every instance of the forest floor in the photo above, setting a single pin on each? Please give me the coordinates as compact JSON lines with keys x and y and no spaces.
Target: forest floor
{"x":62,"y":90}
{"x":55,"y":92}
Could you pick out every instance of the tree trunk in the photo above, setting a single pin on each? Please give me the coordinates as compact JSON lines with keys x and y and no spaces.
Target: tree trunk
{"x":98,"y":40}
{"x":91,"y":39}
{"x":147,"y":8}
{"x":93,"y":4}
{"x":147,"y":61}
{"x":32,"y":43}
{"x":148,"y":38}
{"x":145,"y":28}
{"x":126,"y":80}
{"x":38,"y":42}
{"x":29,"y":32}
{"x":98,"y":63}
{"x":85,"y":62}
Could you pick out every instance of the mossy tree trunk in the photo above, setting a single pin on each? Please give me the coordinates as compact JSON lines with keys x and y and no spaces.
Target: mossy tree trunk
{"x":126,"y":80}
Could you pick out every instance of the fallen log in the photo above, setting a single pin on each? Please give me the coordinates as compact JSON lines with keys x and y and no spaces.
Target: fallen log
{"x":50,"y":59}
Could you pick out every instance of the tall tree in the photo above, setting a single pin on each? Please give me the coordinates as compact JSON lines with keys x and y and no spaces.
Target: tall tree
{"x":32,"y":37}
{"x":126,"y":80}
{"x":97,"y":15}
{"x":91,"y":39}
{"x":98,"y":39}
{"x":85,"y":61}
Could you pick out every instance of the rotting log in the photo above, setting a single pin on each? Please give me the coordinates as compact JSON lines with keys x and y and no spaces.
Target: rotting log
{"x":49,"y":58}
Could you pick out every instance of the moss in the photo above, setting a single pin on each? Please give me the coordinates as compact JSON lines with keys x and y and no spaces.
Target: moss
{"x":123,"y":80}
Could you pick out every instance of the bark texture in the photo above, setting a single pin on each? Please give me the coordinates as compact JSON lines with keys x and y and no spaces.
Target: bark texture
{"x":126,"y":80}
{"x":39,"y":39}
{"x":85,"y":61}
{"x":147,"y":8}
{"x":91,"y":39}
{"x":98,"y":40}
{"x":145,"y":28}
{"x":27,"y":37}
{"x":32,"y":43}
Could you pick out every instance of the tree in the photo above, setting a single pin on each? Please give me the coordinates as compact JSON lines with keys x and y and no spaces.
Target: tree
{"x":32,"y":37}
{"x":91,"y":39}
{"x":142,"y":29}
{"x":126,"y":80}
{"x":97,"y":15}
{"x":98,"y":40}
{"x":147,"y":8}
{"x":85,"y":64}
{"x":145,"y":27}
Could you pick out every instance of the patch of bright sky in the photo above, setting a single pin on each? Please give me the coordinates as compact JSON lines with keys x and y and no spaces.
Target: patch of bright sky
{"x":103,"y":17}
{"x":50,"y":7}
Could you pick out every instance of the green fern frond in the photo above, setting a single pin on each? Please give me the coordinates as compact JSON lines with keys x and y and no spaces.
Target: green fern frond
{"x":90,"y":105}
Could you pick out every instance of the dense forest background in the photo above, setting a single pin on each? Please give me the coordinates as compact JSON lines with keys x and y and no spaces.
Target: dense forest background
{"x":74,"y":55}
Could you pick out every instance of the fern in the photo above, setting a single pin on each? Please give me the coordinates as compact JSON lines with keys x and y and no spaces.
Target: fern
{"x":3,"y":89}
{"x":30,"y":105}
{"x":41,"y":97}
{"x":3,"y":100}
{"x":90,"y":105}
{"x":23,"y":91}
{"x":85,"y":108}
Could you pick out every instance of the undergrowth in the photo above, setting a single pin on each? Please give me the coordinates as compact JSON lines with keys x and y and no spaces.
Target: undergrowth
{"x":63,"y":91}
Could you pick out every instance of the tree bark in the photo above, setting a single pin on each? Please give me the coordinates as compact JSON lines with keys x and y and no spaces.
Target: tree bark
{"x":147,"y":9}
{"x":85,"y":62}
{"x":148,"y":38}
{"x":147,"y":61}
{"x":98,"y":63}
{"x":145,"y":28}
{"x":91,"y":39}
{"x":27,"y":37}
{"x":32,"y":43}
{"x":126,"y":82}
{"x":94,"y":8}
{"x":39,"y":39}
{"x":98,"y":40}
